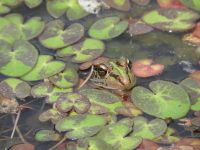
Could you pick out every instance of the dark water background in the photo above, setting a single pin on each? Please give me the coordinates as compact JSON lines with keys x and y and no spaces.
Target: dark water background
{"x":165,"y":48}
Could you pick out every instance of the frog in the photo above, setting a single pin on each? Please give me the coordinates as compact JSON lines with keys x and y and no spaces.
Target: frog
{"x":113,"y":74}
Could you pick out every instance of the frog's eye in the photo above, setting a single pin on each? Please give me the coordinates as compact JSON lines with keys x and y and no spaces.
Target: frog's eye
{"x":102,"y":70}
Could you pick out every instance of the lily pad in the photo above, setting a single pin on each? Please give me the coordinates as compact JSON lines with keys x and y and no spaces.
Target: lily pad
{"x":83,"y":51}
{"x":57,"y":8}
{"x":44,"y":68}
{"x":81,"y":126}
{"x":73,"y":101}
{"x":18,"y":59}
{"x":66,"y":79}
{"x":192,"y":87}
{"x":55,"y":36}
{"x":6,"y":5}
{"x":51,"y":114}
{"x":163,"y":100}
{"x":12,"y":88}
{"x":33,"y":3}
{"x":9,"y":31}
{"x":108,"y":28}
{"x":30,"y":29}
{"x":171,"y":19}
{"x":47,"y":135}
{"x":117,"y":136}
{"x":49,"y":91}
{"x":102,"y":101}
{"x":193,"y":4}
{"x":123,"y":5}
{"x":148,"y":130}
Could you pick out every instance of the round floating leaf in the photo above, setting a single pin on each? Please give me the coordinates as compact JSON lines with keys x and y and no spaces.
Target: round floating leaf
{"x":102,"y":101}
{"x":163,"y":100}
{"x":73,"y":10}
{"x":171,"y":19}
{"x":123,"y":5}
{"x":47,"y":135}
{"x":192,"y":87}
{"x":54,"y":35}
{"x":148,"y":130}
{"x":194,"y":4}
{"x":12,"y":88}
{"x":18,"y":59}
{"x":33,"y":3}
{"x":30,"y":29}
{"x":49,"y":91}
{"x":66,"y":79}
{"x":9,"y":31}
{"x":51,"y":114}
{"x":84,"y":51}
{"x":6,"y":5}
{"x":44,"y":68}
{"x":108,"y":28}
{"x":116,"y":136}
{"x":81,"y":126}
{"x":75,"y":101}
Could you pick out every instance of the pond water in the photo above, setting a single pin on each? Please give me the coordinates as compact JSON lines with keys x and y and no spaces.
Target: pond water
{"x":178,"y":57}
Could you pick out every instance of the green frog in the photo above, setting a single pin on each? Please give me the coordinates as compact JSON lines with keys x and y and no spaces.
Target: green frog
{"x":113,"y":74}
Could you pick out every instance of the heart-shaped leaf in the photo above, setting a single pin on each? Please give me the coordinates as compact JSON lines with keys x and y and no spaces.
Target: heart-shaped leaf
{"x":12,"y":88}
{"x":163,"y":100}
{"x":75,"y":101}
{"x":57,"y":8}
{"x":102,"y":101}
{"x":171,"y":19}
{"x":47,"y":135}
{"x":49,"y":91}
{"x":33,"y":3}
{"x":116,"y":135}
{"x":44,"y":68}
{"x":192,"y":87}
{"x":55,"y":36}
{"x":83,"y":51}
{"x":18,"y":59}
{"x":148,"y":130}
{"x":66,"y":79}
{"x":123,"y":5}
{"x":30,"y":29}
{"x":108,"y":28}
{"x":81,"y":126}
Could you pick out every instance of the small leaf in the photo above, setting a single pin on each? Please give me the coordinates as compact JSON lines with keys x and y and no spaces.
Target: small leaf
{"x":123,"y":5}
{"x":33,"y":3}
{"x":47,"y":135}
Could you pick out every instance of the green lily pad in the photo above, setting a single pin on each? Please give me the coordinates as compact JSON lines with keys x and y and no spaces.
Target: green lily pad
{"x":123,"y":5}
{"x":163,"y":100}
{"x":9,"y":32}
{"x":117,"y":136}
{"x":12,"y":88}
{"x":83,"y":51}
{"x":81,"y":126}
{"x":6,"y":5}
{"x":192,"y":87}
{"x":44,"y":68}
{"x":73,"y":101}
{"x":51,"y":114}
{"x":47,"y":90}
{"x":171,"y":19}
{"x":66,"y":79}
{"x":33,"y":3}
{"x":99,"y":144}
{"x":102,"y":101}
{"x":55,"y":36}
{"x":148,"y":130}
{"x":108,"y":28}
{"x":47,"y":135}
{"x":18,"y":59}
{"x":193,"y":4}
{"x":30,"y":29}
{"x":57,"y":8}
